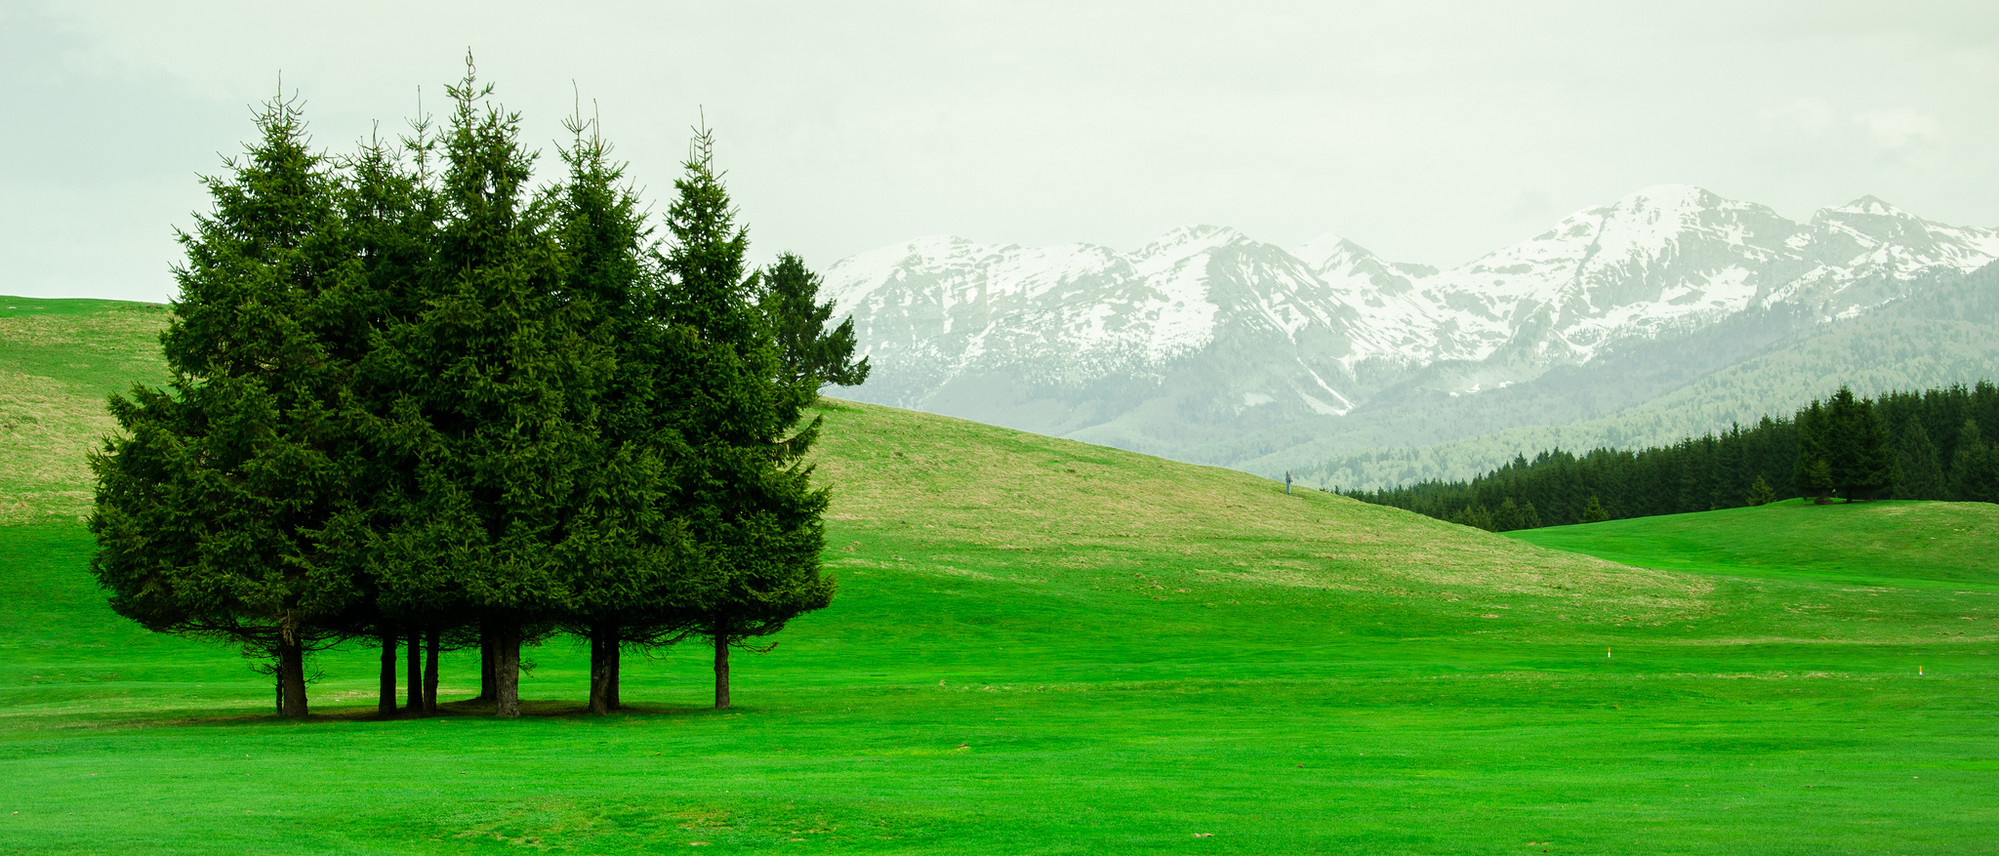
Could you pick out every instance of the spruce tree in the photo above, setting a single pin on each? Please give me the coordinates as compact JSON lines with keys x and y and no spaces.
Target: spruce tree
{"x":1593,"y":511}
{"x":491,"y":423}
{"x":629,"y":550}
{"x":1818,"y":481}
{"x":752,"y":514}
{"x":1974,"y":472}
{"x":1855,"y":447}
{"x":1760,"y":492}
{"x":213,"y":502}
{"x":1813,"y":473}
{"x":390,"y":211}
{"x":1922,"y":475}
{"x":810,"y":352}
{"x":1475,"y":516}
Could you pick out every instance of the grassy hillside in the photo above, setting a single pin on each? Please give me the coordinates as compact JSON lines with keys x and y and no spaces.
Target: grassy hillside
{"x":1881,"y":543}
{"x":58,"y":360}
{"x":1046,"y":647}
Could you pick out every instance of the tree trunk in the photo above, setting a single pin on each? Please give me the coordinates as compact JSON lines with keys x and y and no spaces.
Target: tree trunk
{"x":430,"y":646}
{"x":291,"y":677}
{"x":486,"y":681}
{"x":507,"y":671}
{"x":414,"y":698}
{"x":386,"y":705}
{"x":721,"y":670}
{"x":611,"y":692}
{"x":602,"y":644}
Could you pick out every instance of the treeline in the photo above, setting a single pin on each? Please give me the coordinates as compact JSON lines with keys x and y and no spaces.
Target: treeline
{"x":1936,"y":444}
{"x":418,"y":402}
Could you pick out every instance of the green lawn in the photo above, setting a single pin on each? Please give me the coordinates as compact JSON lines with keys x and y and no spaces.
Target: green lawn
{"x":1046,"y":647}
{"x":1885,"y":542}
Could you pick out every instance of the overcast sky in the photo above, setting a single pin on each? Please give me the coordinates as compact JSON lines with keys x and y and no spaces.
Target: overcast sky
{"x":1427,"y":132}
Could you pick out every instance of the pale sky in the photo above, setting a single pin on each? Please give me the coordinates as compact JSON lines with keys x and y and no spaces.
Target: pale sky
{"x":1428,"y":132}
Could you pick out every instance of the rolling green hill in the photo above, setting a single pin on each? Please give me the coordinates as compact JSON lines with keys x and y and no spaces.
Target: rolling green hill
{"x":58,"y":360}
{"x":1878,"y":543}
{"x":1046,"y":647}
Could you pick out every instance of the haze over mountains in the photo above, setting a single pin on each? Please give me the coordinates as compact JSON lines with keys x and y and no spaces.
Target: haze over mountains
{"x":1209,"y":345}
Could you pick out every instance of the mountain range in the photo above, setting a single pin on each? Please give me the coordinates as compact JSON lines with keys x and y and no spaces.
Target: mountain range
{"x":1211,"y":346}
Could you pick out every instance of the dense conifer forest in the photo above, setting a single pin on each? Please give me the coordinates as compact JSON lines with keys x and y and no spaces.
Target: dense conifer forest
{"x":1936,"y":444}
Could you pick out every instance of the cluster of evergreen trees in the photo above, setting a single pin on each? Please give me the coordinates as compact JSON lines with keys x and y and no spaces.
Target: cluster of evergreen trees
{"x":1936,"y":444}
{"x":416,"y":400}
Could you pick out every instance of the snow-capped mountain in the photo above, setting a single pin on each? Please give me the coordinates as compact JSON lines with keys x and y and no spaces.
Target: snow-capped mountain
{"x":1207,"y":332}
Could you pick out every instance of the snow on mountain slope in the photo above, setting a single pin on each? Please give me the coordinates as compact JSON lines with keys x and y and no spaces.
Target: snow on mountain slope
{"x":1661,"y":258}
{"x":1206,"y":330}
{"x":1870,"y":253}
{"x":1203,"y":302}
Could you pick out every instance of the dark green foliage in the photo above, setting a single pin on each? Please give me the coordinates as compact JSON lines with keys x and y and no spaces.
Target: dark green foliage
{"x":627,"y":559}
{"x":1853,"y":446}
{"x":213,"y":503}
{"x":1816,"y":481}
{"x":1515,"y":515}
{"x":1475,"y":516}
{"x":745,"y":492}
{"x":1760,"y":493}
{"x":1922,"y":473}
{"x":415,"y":403}
{"x":810,"y":352}
{"x":1974,"y":471}
{"x":1812,"y":475}
{"x":494,"y":384}
{"x":1774,"y":459}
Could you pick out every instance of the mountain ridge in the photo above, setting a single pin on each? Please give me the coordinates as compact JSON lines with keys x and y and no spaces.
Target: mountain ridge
{"x":1206,"y":333}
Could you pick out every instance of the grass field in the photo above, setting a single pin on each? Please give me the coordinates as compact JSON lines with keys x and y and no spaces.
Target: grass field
{"x":1046,"y":647}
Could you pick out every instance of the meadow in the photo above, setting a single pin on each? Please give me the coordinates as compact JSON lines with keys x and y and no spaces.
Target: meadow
{"x":1046,"y":647}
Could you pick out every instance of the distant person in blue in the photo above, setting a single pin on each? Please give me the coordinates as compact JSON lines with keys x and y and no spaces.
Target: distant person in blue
{"x":1287,"y":482}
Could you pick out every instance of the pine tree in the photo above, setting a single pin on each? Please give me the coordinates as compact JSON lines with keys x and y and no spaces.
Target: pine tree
{"x":746,"y":493}
{"x":390,"y":211}
{"x":808,"y":349}
{"x":1818,"y":481}
{"x":1855,"y":447}
{"x":627,"y":553}
{"x":1922,"y":473}
{"x":1476,"y":516}
{"x":491,"y":423}
{"x":1593,"y":511}
{"x":1974,"y":472}
{"x":1760,"y":492}
{"x":211,"y":505}
{"x":1813,"y":473}
{"x":1529,"y":518}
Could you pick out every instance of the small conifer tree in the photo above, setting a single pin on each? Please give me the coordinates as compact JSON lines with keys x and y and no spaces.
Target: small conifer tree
{"x":1760,"y":492}
{"x":811,"y":353}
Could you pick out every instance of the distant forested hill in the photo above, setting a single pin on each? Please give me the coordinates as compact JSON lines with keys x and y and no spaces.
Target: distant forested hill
{"x":1940,"y":441}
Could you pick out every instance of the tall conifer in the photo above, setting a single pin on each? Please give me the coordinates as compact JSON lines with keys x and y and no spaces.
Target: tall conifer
{"x":744,"y":490}
{"x":212,"y":504}
{"x":494,"y":423}
{"x":1922,"y":475}
{"x":628,"y":561}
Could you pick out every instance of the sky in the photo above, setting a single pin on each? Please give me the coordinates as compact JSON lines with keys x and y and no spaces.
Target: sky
{"x":1427,"y":132}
